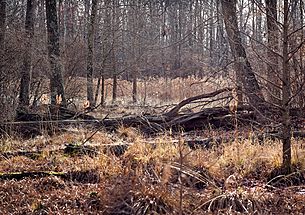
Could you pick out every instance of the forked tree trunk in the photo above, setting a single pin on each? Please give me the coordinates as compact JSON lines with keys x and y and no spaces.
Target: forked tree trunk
{"x":24,"y":94}
{"x":244,"y":71}
{"x":91,"y":31}
{"x":56,"y":79}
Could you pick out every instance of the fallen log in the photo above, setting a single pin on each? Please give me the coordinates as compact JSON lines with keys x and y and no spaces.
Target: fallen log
{"x":72,"y":149}
{"x":32,"y":124}
{"x":88,"y":176}
{"x":174,"y":111}
{"x":22,"y":175}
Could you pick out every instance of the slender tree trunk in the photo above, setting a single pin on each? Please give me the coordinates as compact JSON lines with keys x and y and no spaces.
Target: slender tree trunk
{"x":114,"y":87}
{"x":259,"y":31}
{"x":113,"y":57}
{"x":91,"y":31}
{"x":286,"y":122}
{"x":134,"y":87}
{"x":2,"y":31}
{"x":301,"y":56}
{"x":103,"y":91}
{"x":2,"y":49}
{"x":211,"y":35}
{"x":56,"y":79}
{"x":244,"y":72}
{"x":273,"y":74}
{"x":135,"y":49}
{"x":97,"y":90}
{"x":24,"y":95}
{"x":2,"y":22}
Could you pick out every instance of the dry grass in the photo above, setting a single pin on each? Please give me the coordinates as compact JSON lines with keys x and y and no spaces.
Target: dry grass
{"x":153,"y":92}
{"x":149,"y":177}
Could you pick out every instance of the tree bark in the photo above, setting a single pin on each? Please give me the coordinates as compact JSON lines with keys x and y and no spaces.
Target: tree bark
{"x":91,"y":31}
{"x":134,"y":88}
{"x":286,"y":121}
{"x":24,"y":94}
{"x":56,"y":79}
{"x":2,"y":48}
{"x":244,"y":70}
{"x":114,"y":87}
{"x":97,"y":90}
{"x":113,"y":52}
{"x":259,"y":32}
{"x":273,"y":85}
{"x":103,"y":91}
{"x":2,"y":22}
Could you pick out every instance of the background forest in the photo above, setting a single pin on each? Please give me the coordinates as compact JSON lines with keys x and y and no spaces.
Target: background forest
{"x":187,"y":94}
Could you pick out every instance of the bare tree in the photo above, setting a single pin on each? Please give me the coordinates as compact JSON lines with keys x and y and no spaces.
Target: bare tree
{"x":244,"y":72}
{"x":286,"y":93}
{"x":56,"y":79}
{"x":273,"y":74}
{"x":91,"y":31}
{"x":115,"y":22}
{"x":2,"y":35}
{"x":2,"y":22}
{"x":24,"y":93}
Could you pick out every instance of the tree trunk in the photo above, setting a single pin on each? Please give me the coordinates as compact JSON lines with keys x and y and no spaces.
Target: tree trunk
{"x":24,"y":94}
{"x":56,"y":79}
{"x":244,"y":71}
{"x":97,"y":90}
{"x":286,"y":121}
{"x":211,"y":35}
{"x":301,"y":56}
{"x":113,"y":53}
{"x":91,"y":31}
{"x":273,"y":84}
{"x":134,"y":88}
{"x":103,"y":91}
{"x":2,"y":22}
{"x":259,"y":31}
{"x":114,"y":87}
{"x":2,"y":52}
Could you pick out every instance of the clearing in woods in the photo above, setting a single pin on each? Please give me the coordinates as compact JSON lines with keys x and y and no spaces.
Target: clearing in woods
{"x":139,"y":159}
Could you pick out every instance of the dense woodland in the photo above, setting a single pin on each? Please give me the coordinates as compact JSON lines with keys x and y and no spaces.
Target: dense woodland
{"x":213,"y":65}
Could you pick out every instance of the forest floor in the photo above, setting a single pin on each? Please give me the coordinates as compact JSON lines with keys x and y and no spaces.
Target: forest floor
{"x":85,"y":171}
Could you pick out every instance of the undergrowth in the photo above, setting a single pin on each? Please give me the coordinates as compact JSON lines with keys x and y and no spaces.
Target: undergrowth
{"x":150,"y":176}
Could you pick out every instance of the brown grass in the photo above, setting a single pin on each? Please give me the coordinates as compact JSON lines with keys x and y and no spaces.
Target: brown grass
{"x":148,"y":178}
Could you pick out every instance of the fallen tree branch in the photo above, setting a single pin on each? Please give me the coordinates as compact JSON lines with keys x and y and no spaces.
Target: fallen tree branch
{"x":174,"y":111}
{"x":88,"y":176}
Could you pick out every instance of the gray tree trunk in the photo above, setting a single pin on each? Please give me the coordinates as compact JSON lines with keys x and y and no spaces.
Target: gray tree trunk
{"x":91,"y":31}
{"x":244,"y":72}
{"x":24,"y":94}
{"x":259,"y":30}
{"x":2,"y":48}
{"x":115,"y":22}
{"x":273,"y":74}
{"x":56,"y":79}
{"x":286,"y":122}
{"x":2,"y":22}
{"x":103,"y":91}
